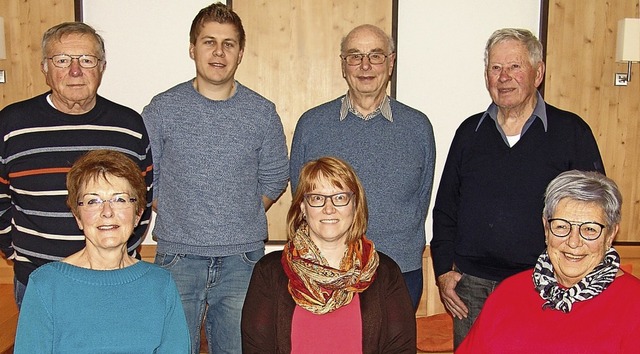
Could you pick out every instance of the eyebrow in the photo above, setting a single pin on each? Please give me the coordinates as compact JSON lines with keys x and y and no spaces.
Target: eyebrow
{"x":204,"y":37}
{"x":97,"y":194}
{"x":355,"y":51}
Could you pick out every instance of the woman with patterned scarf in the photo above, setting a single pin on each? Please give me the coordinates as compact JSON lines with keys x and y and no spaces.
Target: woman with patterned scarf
{"x":576,"y":299}
{"x":329,"y":290}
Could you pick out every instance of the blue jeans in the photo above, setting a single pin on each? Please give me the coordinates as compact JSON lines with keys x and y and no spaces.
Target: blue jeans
{"x":473,"y":291}
{"x":414,"y":282}
{"x":18,"y":291}
{"x":215,"y":286}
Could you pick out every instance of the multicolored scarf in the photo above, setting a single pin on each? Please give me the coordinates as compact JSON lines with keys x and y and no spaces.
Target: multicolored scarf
{"x":319,"y":288}
{"x":562,"y":299}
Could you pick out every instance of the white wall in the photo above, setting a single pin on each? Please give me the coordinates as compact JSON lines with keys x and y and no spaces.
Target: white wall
{"x":439,"y":66}
{"x":147,"y":44}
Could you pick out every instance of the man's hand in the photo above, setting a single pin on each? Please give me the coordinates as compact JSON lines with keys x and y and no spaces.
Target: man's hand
{"x":447,"y":286}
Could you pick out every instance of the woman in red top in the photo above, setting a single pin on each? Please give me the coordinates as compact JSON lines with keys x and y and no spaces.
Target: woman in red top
{"x":329,"y":290}
{"x":579,"y":300}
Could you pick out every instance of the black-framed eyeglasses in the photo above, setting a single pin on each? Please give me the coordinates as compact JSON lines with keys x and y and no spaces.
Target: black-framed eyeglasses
{"x":338,"y":199}
{"x":354,"y":59}
{"x":589,"y":230}
{"x":118,"y":202}
{"x":85,"y":60}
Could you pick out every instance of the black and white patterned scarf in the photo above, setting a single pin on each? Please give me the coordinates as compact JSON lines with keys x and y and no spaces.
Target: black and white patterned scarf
{"x":562,"y":299}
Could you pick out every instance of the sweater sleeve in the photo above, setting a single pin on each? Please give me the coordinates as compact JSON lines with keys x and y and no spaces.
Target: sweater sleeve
{"x":35,"y":324}
{"x":273,"y":164}
{"x":259,"y":313}
{"x":445,"y":211}
{"x":400,"y":315}
{"x":297,"y":153}
{"x":588,"y":157}
{"x":145,"y":163}
{"x":5,"y":198}
{"x":175,"y":333}
{"x":427,"y":177}
{"x":5,"y":212}
{"x":153,"y":123}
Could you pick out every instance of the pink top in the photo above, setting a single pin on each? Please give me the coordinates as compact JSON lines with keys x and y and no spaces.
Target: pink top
{"x":339,"y":331}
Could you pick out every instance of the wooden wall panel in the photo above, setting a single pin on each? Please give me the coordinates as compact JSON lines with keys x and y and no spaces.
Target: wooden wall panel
{"x":25,"y":22}
{"x":579,"y":77}
{"x":291,"y":57}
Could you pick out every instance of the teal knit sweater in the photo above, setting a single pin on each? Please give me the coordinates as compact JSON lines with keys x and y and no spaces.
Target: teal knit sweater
{"x":68,"y":309}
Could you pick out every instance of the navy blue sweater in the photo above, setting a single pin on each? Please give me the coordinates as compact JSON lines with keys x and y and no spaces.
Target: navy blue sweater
{"x":487,"y":217}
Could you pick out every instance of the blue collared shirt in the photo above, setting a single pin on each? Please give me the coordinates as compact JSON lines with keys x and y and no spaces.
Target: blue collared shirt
{"x":384,"y":109}
{"x":539,"y":111}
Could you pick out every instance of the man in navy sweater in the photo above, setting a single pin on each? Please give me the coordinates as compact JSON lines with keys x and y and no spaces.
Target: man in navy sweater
{"x":390,"y":146}
{"x":486,"y":218}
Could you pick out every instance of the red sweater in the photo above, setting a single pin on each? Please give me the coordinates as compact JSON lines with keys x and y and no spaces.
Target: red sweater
{"x":513,"y":321}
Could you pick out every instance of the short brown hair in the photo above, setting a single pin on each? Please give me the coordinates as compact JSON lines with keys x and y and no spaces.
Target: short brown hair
{"x":220,"y":13}
{"x":98,"y":164}
{"x":342,"y":176}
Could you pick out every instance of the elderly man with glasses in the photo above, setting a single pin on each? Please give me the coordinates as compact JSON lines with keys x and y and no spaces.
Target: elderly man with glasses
{"x":390,"y":145}
{"x":44,"y":135}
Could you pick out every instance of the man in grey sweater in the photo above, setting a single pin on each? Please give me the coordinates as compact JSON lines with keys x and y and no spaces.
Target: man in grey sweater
{"x":390,"y":145}
{"x":221,"y":162}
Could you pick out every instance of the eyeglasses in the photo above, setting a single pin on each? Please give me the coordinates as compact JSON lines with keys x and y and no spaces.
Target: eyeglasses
{"x":338,"y":199}
{"x":119,"y":202}
{"x":589,"y":230}
{"x":354,"y":59}
{"x":85,"y":61}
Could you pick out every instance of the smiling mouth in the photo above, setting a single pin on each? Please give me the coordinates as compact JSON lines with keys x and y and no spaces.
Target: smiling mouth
{"x":329,"y":221}
{"x":572,"y":257}
{"x":108,"y":227}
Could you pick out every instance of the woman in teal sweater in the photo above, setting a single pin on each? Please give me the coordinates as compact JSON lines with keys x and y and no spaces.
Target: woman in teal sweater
{"x":100,"y":299}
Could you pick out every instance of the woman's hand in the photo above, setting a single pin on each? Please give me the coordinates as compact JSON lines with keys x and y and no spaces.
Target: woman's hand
{"x":447,"y":286}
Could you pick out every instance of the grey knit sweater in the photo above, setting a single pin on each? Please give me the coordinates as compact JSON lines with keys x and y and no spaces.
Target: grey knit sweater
{"x":213,"y":162}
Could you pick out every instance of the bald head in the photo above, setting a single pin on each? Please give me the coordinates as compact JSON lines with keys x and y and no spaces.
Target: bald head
{"x":368,"y":30}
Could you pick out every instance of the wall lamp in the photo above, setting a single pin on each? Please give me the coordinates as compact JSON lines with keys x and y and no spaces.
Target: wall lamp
{"x":627,"y":46}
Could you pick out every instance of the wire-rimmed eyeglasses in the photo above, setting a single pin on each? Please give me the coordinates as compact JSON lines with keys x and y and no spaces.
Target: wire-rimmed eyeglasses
{"x":85,"y":61}
{"x":118,"y":202}
{"x":338,"y":199}
{"x":589,"y":230}
{"x":354,"y":59}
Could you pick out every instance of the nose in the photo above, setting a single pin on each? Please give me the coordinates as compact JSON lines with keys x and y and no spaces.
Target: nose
{"x":107,"y":210}
{"x":217,"y":51}
{"x":505,"y":74}
{"x":75,"y":69}
{"x":574,"y":239}
{"x":365,"y":64}
{"x":328,"y":207}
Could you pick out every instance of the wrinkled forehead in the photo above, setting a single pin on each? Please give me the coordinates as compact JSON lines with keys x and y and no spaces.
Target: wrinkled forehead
{"x":366,"y":40}
{"x":85,"y":43}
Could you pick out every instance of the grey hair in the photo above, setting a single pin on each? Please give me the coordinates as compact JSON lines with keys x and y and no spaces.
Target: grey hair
{"x":67,"y":28}
{"x":534,"y":46}
{"x":390,"y":43}
{"x":583,"y":186}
